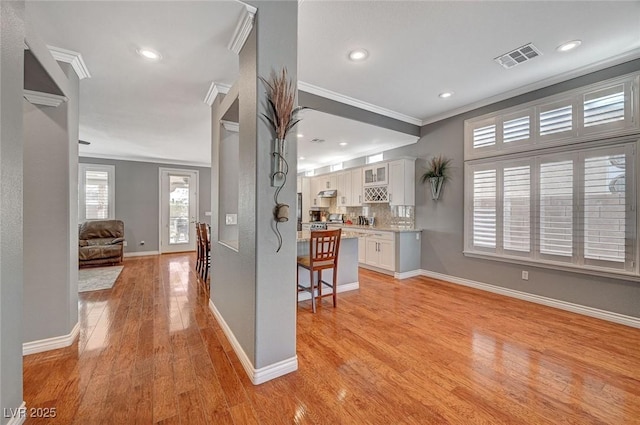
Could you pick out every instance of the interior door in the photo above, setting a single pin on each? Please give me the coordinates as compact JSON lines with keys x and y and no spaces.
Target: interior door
{"x":178,"y":210}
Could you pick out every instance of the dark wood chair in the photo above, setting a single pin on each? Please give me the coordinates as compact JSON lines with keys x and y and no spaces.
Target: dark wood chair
{"x":199,"y":251}
{"x":205,"y":248}
{"x":324,"y":247}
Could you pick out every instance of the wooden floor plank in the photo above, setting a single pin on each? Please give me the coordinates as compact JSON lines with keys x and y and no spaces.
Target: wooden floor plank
{"x":416,"y":351}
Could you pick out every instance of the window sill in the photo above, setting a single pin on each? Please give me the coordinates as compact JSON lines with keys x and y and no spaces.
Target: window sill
{"x":551,"y":265}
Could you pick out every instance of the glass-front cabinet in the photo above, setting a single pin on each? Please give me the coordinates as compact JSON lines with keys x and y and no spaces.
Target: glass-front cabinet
{"x":375,"y":175}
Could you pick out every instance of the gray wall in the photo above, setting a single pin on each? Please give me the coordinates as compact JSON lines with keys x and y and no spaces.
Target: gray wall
{"x":255,"y":287}
{"x":137,"y":199}
{"x":228,"y":185}
{"x":443,"y":221}
{"x":11,"y":252}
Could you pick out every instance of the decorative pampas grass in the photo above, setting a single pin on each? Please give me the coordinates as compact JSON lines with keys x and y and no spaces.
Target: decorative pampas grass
{"x":281,"y":96}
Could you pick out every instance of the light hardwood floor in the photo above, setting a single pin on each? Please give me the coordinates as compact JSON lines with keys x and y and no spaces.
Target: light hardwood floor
{"x":416,"y":351}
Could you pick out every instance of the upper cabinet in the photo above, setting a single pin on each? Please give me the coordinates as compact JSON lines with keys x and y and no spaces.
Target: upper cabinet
{"x":356,"y":188}
{"x":375,"y":175}
{"x":344,"y":189}
{"x":402,"y":182}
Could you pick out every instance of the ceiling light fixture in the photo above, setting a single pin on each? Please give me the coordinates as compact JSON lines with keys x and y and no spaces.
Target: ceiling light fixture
{"x":445,"y":94}
{"x":149,"y":54}
{"x":570,"y":45}
{"x":301,"y":158}
{"x":343,"y":143}
{"x":358,"y":55}
{"x":300,"y":135}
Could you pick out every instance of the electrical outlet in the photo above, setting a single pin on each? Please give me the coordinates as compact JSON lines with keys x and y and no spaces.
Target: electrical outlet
{"x":417,"y":236}
{"x":124,"y":243}
{"x":141,"y":242}
{"x":525,"y":275}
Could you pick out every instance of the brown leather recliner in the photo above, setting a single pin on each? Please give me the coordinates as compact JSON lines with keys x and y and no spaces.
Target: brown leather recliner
{"x":101,"y":242}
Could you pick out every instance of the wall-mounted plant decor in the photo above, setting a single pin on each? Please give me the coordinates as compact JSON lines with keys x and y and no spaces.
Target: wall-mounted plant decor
{"x":282,"y":117}
{"x":438,"y":171}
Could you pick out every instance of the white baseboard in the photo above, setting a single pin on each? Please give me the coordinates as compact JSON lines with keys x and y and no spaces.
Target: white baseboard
{"x":17,"y":416}
{"x":47,"y":344}
{"x":303,"y":296}
{"x":257,"y":376}
{"x":140,"y":253}
{"x":550,"y":302}
{"x":406,"y":275}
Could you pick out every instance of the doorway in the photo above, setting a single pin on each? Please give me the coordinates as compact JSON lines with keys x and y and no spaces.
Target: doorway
{"x":178,"y":209}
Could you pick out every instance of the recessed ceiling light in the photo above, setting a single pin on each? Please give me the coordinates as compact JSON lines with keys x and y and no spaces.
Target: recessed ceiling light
{"x":358,"y":55}
{"x":300,"y":135}
{"x":445,"y":95}
{"x":343,"y":143}
{"x":570,"y":45}
{"x":149,"y":54}
{"x":301,"y":158}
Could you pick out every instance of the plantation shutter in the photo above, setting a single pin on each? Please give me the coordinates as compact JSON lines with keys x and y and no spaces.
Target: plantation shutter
{"x":484,"y":208}
{"x":605,"y":206}
{"x":485,"y":136}
{"x":556,"y":120}
{"x":516,"y":129}
{"x":516,"y":219}
{"x":96,"y":195}
{"x":604,"y":106}
{"x":556,"y":208}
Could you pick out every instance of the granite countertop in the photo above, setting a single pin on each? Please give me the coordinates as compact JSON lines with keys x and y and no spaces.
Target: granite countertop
{"x":388,"y":228}
{"x":305,"y":235}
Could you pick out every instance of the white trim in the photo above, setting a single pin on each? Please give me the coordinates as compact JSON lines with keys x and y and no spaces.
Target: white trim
{"x":328,"y":94}
{"x":550,"y":302}
{"x":72,"y":58}
{"x":243,"y":29}
{"x":231,"y":126}
{"x":21,"y":416}
{"x":345,"y":287}
{"x":406,"y":275}
{"x":132,"y":158}
{"x":257,"y":376}
{"x":196,"y":216}
{"x":54,"y":343}
{"x":594,"y":67}
{"x":44,"y":99}
{"x":214,"y":90}
{"x":140,"y":254}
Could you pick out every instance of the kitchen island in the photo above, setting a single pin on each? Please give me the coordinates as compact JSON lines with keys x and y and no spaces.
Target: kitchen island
{"x":347,"y":263}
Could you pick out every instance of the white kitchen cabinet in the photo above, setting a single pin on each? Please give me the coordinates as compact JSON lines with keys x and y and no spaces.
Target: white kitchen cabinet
{"x":402,"y":184}
{"x":299,"y":184}
{"x":307,"y":199}
{"x":356,"y":188}
{"x":362,"y":248}
{"x":344,"y":189}
{"x":375,"y":175}
{"x":327,"y":182}
{"x":381,"y":250}
{"x":317,"y":185}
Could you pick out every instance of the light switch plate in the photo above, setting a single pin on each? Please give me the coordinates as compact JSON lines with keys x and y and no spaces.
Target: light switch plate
{"x":231,"y":219}
{"x":207,"y":213}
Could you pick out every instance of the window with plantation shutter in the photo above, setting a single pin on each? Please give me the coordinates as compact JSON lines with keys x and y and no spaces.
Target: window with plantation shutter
{"x":516,"y":129}
{"x":604,"y":106}
{"x":485,"y":136}
{"x":605,"y":206}
{"x":556,"y":208}
{"x":553,"y":182}
{"x":484,"y":208}
{"x":516,"y":221}
{"x":558,"y":120}
{"x":96,"y":192}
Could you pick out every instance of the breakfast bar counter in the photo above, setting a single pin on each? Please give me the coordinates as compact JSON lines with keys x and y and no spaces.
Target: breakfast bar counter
{"x":347,"y":263}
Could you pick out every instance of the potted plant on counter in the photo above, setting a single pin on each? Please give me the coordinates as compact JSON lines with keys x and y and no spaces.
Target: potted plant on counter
{"x":438,"y":171}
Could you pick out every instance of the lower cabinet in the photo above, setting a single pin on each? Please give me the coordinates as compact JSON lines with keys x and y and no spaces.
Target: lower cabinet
{"x":381,"y":250}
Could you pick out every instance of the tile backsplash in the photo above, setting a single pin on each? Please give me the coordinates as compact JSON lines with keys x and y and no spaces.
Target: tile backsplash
{"x":386,"y":215}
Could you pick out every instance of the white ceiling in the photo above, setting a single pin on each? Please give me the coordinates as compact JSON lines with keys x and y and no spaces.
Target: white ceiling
{"x":154,"y":111}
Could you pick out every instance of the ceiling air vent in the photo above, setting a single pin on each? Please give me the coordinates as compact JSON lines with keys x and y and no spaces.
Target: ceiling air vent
{"x":517,"y":56}
{"x":317,"y":140}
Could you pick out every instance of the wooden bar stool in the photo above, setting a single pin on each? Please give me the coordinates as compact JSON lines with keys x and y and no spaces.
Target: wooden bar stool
{"x":324,"y":247}
{"x":206,"y":251}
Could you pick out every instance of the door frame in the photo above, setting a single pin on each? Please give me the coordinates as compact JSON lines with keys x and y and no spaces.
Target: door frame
{"x":161,"y":170}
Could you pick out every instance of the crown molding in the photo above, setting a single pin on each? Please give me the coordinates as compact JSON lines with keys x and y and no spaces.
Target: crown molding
{"x":140,"y":158}
{"x":594,"y":67}
{"x":231,"y":126}
{"x":44,"y":99}
{"x":214,"y":90}
{"x":243,"y":29}
{"x":72,"y":58}
{"x":319,"y":91}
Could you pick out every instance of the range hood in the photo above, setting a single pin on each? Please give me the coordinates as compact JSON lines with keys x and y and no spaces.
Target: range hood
{"x":327,"y":193}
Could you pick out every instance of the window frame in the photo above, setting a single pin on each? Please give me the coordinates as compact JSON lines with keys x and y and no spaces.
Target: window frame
{"x":577,"y":262}
{"x":82,"y":193}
